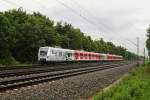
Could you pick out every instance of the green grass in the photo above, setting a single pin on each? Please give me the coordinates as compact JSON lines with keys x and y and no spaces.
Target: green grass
{"x":136,"y":86}
{"x":13,"y":63}
{"x":17,"y":65}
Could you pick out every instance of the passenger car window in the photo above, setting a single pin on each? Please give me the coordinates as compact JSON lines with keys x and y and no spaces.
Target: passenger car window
{"x":52,"y":51}
{"x":60,"y":53}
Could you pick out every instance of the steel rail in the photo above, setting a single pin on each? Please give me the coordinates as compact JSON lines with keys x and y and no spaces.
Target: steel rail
{"x":11,"y":83}
{"x":16,"y":72}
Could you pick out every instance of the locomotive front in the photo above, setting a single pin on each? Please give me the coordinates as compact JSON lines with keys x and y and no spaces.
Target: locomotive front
{"x":42,"y":54}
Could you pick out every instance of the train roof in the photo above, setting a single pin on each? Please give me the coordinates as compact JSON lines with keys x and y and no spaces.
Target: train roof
{"x":56,"y":48}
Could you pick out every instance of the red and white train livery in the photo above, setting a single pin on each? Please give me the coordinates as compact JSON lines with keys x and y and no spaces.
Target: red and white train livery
{"x":52,"y":54}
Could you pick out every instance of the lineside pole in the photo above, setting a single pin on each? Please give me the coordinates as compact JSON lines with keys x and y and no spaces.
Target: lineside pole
{"x":144,"y":56}
{"x":137,"y":50}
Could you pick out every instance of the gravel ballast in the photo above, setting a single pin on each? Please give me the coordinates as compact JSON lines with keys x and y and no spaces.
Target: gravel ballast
{"x":72,"y":88}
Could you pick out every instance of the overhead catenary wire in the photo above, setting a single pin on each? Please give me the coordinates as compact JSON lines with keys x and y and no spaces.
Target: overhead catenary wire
{"x":105,"y":26}
{"x":81,"y":15}
{"x":78,"y":14}
{"x":47,"y":8}
{"x":14,"y":4}
{"x":73,"y":11}
{"x":131,"y":41}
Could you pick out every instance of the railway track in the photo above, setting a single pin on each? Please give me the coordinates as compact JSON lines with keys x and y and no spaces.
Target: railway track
{"x":16,"y":81}
{"x":7,"y":72}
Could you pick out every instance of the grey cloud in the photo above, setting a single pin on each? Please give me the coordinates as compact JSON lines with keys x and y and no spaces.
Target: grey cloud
{"x":111,"y":19}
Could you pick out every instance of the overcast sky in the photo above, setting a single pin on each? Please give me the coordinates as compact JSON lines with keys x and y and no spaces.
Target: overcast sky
{"x":118,"y":21}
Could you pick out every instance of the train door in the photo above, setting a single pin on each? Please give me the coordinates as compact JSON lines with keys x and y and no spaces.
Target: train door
{"x":53,"y":54}
{"x":58,"y":55}
{"x":103,"y":57}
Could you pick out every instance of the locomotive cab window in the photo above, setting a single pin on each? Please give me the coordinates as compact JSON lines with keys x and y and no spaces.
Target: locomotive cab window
{"x":43,"y":53}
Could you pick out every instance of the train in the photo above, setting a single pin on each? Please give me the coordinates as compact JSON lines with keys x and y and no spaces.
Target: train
{"x":56,"y":54}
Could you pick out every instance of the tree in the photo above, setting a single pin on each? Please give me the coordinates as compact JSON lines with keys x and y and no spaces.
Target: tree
{"x":22,"y":34}
{"x":6,"y":40}
{"x":148,"y":40}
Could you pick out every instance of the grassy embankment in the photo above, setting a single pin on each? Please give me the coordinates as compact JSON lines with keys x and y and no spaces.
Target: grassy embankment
{"x":135,"y":86}
{"x":16,"y":65}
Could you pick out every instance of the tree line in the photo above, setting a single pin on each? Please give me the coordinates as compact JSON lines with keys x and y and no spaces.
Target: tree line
{"x":21,"y":35}
{"x":148,"y":40}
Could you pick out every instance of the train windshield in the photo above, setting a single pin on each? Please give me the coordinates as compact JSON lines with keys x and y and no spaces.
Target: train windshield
{"x":43,"y":53}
